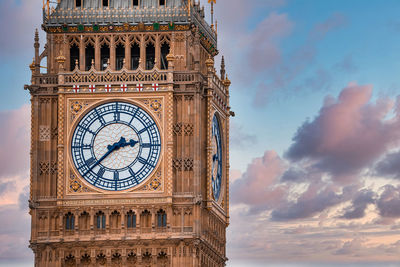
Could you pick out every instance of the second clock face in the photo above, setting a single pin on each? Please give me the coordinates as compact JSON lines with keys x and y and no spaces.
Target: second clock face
{"x":216,"y":171}
{"x":116,"y":146}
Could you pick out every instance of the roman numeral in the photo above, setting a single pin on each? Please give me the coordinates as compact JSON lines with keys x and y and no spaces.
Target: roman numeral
{"x":90,"y":161}
{"x":142,"y":160}
{"x":145,"y":128}
{"x":101,"y":172}
{"x":117,"y":116}
{"x":133,"y":175}
{"x":133,"y":116}
{"x":148,"y":145}
{"x":101,"y":119}
{"x":116,"y":175}
{"x":86,"y":129}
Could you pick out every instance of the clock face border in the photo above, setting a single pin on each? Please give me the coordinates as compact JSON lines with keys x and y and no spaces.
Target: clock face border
{"x":221,"y":122}
{"x":92,"y":103}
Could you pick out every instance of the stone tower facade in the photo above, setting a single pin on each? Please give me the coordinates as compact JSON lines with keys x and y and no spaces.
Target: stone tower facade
{"x":130,"y":136}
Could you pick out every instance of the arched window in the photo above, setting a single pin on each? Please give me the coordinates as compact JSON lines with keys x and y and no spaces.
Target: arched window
{"x":150,"y":56}
{"x":164,"y":52}
{"x":85,"y":259}
{"x":84,"y":221}
{"x":105,"y":3}
{"x":69,"y":221}
{"x":145,"y":219}
{"x":132,"y":257}
{"x":131,"y":219}
{"x":115,"y":220}
{"x":89,"y":56}
{"x":135,"y":56}
{"x":78,"y":3}
{"x":161,"y":218}
{"x":119,"y":56}
{"x":105,"y":56}
{"x":101,"y":220}
{"x":162,"y":2}
{"x":73,"y":56}
{"x":135,"y":3}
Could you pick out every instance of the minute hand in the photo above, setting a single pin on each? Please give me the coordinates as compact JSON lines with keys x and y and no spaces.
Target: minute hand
{"x":112,"y":148}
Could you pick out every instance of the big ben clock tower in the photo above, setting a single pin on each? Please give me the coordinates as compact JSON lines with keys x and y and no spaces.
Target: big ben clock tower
{"x":130,"y":136}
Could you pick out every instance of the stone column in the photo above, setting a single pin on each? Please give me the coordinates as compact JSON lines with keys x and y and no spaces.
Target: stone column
{"x":142,"y":53}
{"x":158,"y":52}
{"x":82,"y":54}
{"x":97,"y":55}
{"x":127,"y":53}
{"x":112,"y":52}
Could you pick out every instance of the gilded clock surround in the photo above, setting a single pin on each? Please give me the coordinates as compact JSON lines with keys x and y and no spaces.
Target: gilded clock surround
{"x":171,"y":219}
{"x":151,"y":105}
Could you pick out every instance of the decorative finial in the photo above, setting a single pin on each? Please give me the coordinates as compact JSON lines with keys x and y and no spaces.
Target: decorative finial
{"x":227,"y":82}
{"x":210,"y":64}
{"x":212,"y":2}
{"x":32,"y":65}
{"x":223,"y":68}
{"x":61,"y":59}
{"x":108,"y":62}
{"x":92,"y":64}
{"x":124,"y":63}
{"x":76,"y":64}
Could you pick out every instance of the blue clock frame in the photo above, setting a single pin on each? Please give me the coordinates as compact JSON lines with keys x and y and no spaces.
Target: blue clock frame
{"x":216,"y":172}
{"x":147,"y":146}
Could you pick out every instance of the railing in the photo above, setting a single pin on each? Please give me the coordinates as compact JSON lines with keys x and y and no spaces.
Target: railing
{"x":188,"y":229}
{"x":145,"y":230}
{"x":43,"y":234}
{"x":54,"y":233}
{"x":102,"y":232}
{"x":84,"y":232}
{"x":184,"y":77}
{"x":69,"y":232}
{"x":115,"y":231}
{"x":95,"y":77}
{"x":45,"y":79}
{"x":99,"y":232}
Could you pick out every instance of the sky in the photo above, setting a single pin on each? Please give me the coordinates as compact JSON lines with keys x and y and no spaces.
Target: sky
{"x":314,"y":145}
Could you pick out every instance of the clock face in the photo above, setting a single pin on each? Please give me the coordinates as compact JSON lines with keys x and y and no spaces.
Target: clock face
{"x":216,"y":171}
{"x":116,"y":146}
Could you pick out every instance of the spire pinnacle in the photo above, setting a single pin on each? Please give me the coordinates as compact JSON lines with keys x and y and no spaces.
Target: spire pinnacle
{"x":223,"y":68}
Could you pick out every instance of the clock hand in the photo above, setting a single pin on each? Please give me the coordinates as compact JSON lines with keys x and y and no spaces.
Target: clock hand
{"x":111,"y":148}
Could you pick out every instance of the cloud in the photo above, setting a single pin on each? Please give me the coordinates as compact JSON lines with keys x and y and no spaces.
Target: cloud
{"x":348,"y":134}
{"x":350,"y":247}
{"x":389,"y":166}
{"x":359,"y":205}
{"x":7,"y":186}
{"x":310,"y":203}
{"x":14,"y":141}
{"x":283,"y":75}
{"x":256,"y":187}
{"x":240,"y":138}
{"x":346,"y":65}
{"x":14,"y":233}
{"x":389,"y":202}
{"x":17,"y":25}
{"x":265,"y":52}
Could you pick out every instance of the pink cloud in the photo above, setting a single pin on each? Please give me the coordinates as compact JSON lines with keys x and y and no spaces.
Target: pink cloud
{"x":14,"y":141}
{"x":265,"y":52}
{"x":256,"y":187}
{"x":349,"y":133}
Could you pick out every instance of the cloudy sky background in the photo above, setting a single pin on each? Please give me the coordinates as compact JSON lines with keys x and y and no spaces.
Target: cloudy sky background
{"x":315,"y":145}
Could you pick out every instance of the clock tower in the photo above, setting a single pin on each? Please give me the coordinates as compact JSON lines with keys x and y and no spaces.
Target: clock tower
{"x":129,"y":137}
